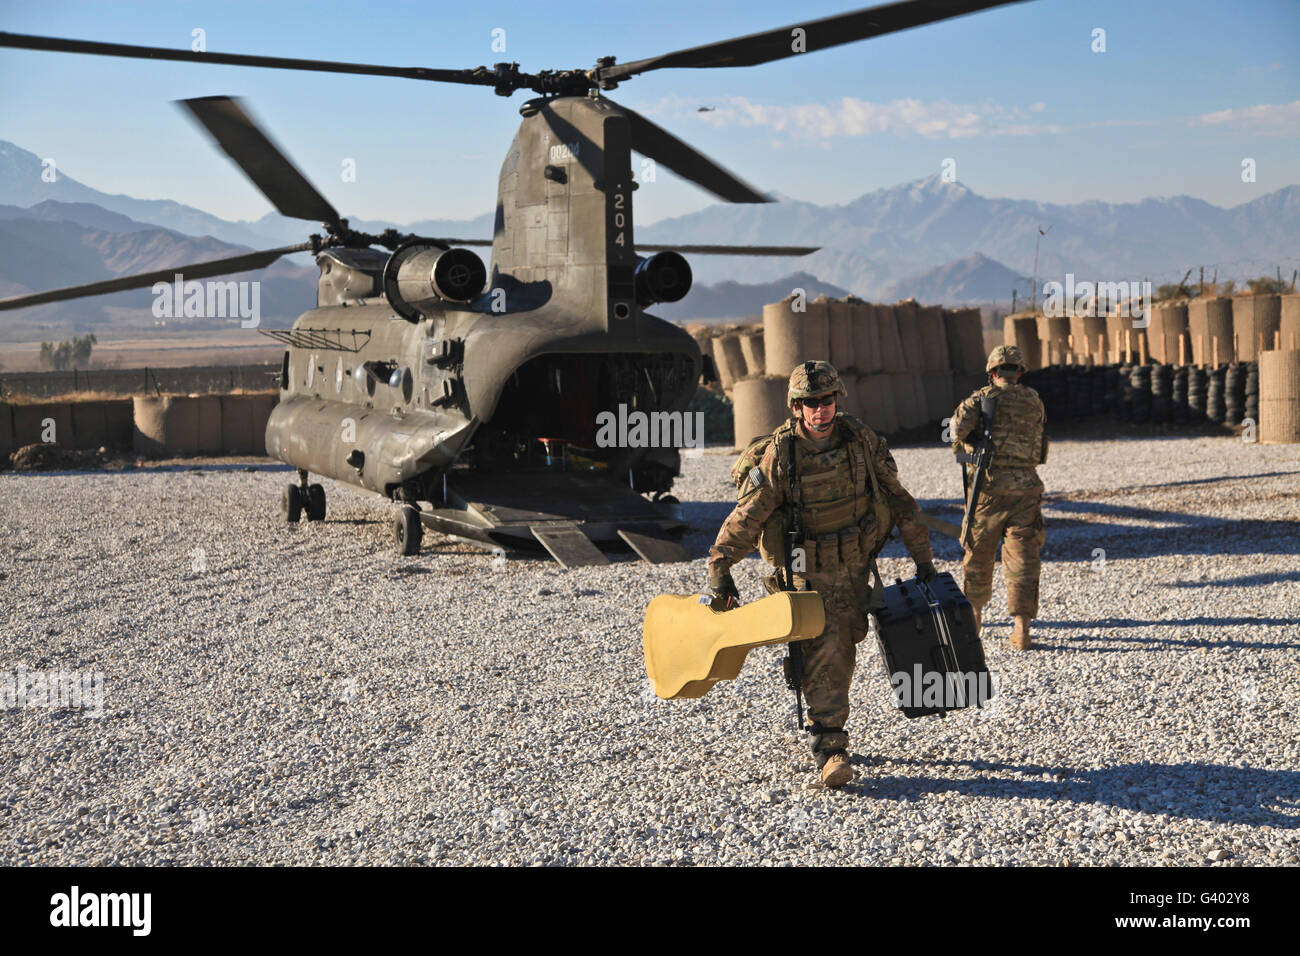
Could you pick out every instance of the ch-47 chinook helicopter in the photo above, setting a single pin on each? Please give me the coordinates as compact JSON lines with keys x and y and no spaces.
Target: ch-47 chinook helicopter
{"x":419,"y":378}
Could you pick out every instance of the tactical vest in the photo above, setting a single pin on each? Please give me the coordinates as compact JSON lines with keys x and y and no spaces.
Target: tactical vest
{"x":1017,"y":432}
{"x":846,"y":518}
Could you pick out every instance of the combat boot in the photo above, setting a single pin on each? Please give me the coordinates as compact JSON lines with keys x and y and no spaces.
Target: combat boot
{"x":837,"y":771}
{"x":1020,"y":633}
{"x":830,"y":748}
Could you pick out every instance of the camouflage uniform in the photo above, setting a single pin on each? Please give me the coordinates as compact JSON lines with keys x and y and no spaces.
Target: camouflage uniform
{"x":845,"y":525}
{"x":1010,"y":503}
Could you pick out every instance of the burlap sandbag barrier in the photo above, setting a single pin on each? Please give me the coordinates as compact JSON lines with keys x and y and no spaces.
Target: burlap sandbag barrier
{"x":47,"y":423}
{"x":1209,"y":324}
{"x":892,"y":359}
{"x":165,"y":425}
{"x":909,"y":399}
{"x":751,"y":347}
{"x":1168,"y":324}
{"x":1087,"y":333}
{"x":877,"y":398}
{"x":965,"y":332}
{"x":239,"y":436}
{"x":1054,"y":338}
{"x":866,"y":337}
{"x":758,"y":407}
{"x":963,"y":385}
{"x":782,"y":337}
{"x":1020,"y":330}
{"x":102,"y":424}
{"x":7,"y":445}
{"x":938,"y":395}
{"x":1279,"y":397}
{"x":1289,"y":325}
{"x":1254,"y":320}
{"x":729,"y":360}
{"x":817,"y":332}
{"x":934,"y":339}
{"x":907,"y":315}
{"x":843,"y":353}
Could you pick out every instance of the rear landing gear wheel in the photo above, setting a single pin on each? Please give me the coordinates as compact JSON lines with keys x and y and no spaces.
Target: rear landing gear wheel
{"x":407,"y":530}
{"x":291,"y":503}
{"x":315,"y":503}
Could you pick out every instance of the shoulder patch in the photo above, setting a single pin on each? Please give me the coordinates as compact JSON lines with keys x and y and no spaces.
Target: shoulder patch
{"x":756,"y":477}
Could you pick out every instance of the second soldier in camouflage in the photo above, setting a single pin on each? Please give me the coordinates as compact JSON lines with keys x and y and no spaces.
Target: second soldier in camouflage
{"x":1009,"y":509}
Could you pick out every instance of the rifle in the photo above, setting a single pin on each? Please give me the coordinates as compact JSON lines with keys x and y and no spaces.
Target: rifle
{"x":792,"y":663}
{"x":973,"y":483}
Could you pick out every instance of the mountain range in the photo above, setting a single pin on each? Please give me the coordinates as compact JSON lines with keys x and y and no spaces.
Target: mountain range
{"x":932,"y":239}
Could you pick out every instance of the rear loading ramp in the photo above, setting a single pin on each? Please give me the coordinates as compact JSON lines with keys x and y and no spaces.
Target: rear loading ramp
{"x":529,"y":511}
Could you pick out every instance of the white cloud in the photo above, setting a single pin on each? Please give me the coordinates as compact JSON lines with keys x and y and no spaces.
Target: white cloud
{"x":849,"y":116}
{"x":1266,"y":117}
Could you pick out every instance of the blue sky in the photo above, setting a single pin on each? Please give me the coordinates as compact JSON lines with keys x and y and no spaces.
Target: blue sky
{"x":1016,"y":97}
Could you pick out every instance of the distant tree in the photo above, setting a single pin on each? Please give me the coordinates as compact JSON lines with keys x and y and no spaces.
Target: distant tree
{"x":1172,"y":290}
{"x":70,"y":353}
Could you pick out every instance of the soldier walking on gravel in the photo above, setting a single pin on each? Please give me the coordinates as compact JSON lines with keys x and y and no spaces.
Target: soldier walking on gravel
{"x":1010,"y":503}
{"x":831,"y":476}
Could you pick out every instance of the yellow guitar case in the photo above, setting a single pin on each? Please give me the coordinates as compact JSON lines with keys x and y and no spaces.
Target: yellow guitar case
{"x":689,"y":646}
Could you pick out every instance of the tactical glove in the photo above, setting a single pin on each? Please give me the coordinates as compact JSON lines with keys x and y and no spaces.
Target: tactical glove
{"x":926,"y":571}
{"x":723,"y":589}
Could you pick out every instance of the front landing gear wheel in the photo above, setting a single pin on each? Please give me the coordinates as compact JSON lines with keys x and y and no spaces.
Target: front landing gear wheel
{"x":291,"y":503}
{"x":407,"y":530}
{"x":315,"y":503}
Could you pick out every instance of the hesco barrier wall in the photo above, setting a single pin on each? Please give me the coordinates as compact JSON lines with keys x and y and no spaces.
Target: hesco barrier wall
{"x":758,"y":407}
{"x":195,"y":379}
{"x":72,"y":425}
{"x":202,"y":424}
{"x":1279,"y":397}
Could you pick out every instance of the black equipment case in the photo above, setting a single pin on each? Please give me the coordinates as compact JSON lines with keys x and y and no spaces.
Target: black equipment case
{"x":931,"y":648}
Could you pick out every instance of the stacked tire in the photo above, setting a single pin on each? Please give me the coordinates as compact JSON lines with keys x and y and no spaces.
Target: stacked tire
{"x":1161,"y":393}
{"x":1196,"y":384}
{"x":1251,"y":406}
{"x":1178,"y":413}
{"x":1140,"y":378}
{"x":1234,"y":394}
{"x":1215,"y":404}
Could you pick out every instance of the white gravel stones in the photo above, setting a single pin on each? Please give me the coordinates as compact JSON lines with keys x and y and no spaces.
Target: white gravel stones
{"x":303,"y":695}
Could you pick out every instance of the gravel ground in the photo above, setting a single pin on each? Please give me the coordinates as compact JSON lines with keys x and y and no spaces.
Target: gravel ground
{"x":304,"y":695}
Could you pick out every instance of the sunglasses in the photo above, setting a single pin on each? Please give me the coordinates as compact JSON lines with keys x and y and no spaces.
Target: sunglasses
{"x":1007,"y":369}
{"x":818,"y":402}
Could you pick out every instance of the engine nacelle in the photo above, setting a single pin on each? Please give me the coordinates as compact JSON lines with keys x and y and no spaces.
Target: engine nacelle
{"x":664,"y":277}
{"x":420,"y":274}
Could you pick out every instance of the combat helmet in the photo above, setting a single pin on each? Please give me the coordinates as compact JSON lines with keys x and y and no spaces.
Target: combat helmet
{"x":813,"y":378}
{"x":1006,"y":355}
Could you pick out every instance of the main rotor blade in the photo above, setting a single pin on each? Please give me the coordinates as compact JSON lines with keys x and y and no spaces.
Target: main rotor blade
{"x":687,"y":161}
{"x":273,"y":173}
{"x":201,"y":270}
{"x":477,"y":77}
{"x":733,"y":250}
{"x":817,"y":35}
